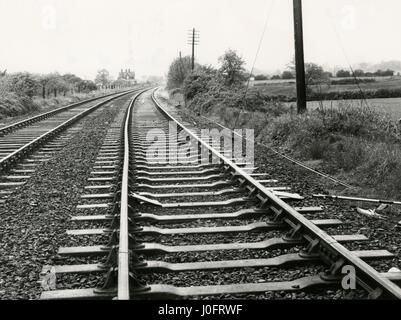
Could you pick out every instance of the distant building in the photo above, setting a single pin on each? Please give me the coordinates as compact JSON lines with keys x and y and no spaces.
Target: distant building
{"x":127,"y":75}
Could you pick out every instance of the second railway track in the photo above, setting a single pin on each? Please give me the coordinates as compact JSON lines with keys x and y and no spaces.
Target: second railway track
{"x":231,"y":230}
{"x":27,"y":143}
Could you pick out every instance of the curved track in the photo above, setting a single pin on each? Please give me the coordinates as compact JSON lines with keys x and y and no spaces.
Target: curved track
{"x":224,"y":216}
{"x":19,"y":138}
{"x":23,"y":123}
{"x":39,"y":134}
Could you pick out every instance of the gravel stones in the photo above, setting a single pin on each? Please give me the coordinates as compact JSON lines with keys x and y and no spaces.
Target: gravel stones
{"x":36,"y":217}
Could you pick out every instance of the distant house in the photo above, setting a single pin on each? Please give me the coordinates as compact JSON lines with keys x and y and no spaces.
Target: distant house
{"x":127,"y":75}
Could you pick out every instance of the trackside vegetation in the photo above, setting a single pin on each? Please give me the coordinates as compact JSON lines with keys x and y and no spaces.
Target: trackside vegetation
{"x":354,"y":142}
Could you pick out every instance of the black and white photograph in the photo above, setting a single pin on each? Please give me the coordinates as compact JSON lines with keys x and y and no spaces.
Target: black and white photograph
{"x":200,"y":158}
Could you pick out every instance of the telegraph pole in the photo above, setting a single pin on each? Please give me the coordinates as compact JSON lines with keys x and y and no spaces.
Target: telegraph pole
{"x":299,"y":57}
{"x":193,"y":41}
{"x":193,"y":48}
{"x":181,"y":67}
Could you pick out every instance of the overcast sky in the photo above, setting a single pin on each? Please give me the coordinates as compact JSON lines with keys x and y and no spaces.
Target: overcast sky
{"x":82,"y":36}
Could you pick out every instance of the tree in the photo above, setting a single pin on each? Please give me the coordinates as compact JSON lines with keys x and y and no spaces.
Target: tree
{"x":291,"y":65}
{"x":343,"y":74}
{"x":43,"y":80}
{"x":103,"y":78}
{"x":56,"y":84}
{"x":387,"y":73}
{"x":261,"y":77}
{"x":232,"y":67}
{"x":314,"y":73}
{"x":72,"y":81}
{"x":359,"y":73}
{"x":287,"y":75}
{"x":53,"y":82}
{"x":178,"y":71}
{"x":276,"y":77}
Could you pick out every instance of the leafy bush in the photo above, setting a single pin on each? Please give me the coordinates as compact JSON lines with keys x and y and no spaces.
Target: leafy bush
{"x":287,"y":75}
{"x":206,"y":92}
{"x":176,"y":91}
{"x":358,"y":141}
{"x":23,"y":84}
{"x":12,"y":104}
{"x":179,"y":69}
{"x":343,"y":74}
{"x":16,"y":92}
{"x":200,"y":81}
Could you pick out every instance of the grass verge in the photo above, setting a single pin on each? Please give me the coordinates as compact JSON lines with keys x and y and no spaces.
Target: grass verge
{"x":354,"y":143}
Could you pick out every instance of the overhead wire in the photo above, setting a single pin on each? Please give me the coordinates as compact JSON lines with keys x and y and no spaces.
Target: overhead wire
{"x":339,"y":39}
{"x":270,"y":9}
{"x":347,"y":186}
{"x":296,"y":162}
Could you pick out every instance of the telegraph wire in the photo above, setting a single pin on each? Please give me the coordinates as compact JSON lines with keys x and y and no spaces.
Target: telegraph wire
{"x":364,"y":99}
{"x":270,"y":9}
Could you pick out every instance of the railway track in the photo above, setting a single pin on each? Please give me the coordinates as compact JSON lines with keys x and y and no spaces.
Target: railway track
{"x":223,"y":218}
{"x":26,"y":144}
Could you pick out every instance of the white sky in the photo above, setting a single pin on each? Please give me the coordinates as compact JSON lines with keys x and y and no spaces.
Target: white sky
{"x":82,"y":36}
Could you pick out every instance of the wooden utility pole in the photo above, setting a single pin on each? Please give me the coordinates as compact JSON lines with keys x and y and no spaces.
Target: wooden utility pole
{"x":299,"y":57}
{"x":193,"y":48}
{"x":182,"y":68}
{"x":193,"y":41}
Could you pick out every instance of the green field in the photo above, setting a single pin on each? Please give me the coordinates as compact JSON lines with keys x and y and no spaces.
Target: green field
{"x":392,"y":106}
{"x":287,"y":88}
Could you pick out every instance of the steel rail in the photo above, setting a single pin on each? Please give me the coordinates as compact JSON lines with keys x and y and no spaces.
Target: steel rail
{"x":14,"y":156}
{"x":117,"y":282}
{"x":123,"y":289}
{"x":364,"y":272}
{"x":23,"y":123}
